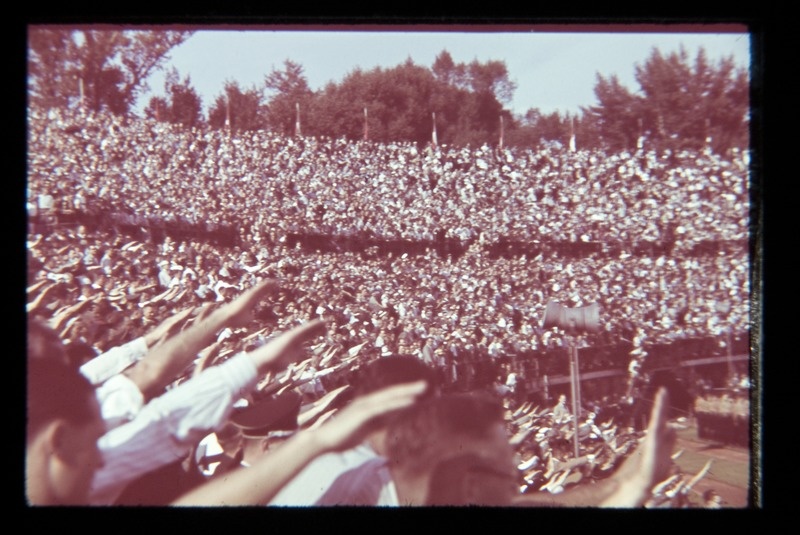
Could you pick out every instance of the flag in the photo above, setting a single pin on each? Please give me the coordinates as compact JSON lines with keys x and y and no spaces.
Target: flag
{"x":228,"y":112}
{"x":572,"y":134}
{"x":297,"y":120}
{"x":434,"y":138}
{"x":366,"y":125}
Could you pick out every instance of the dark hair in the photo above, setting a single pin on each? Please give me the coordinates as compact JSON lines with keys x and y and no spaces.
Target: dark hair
{"x":57,"y":391}
{"x":79,"y":353}
{"x":44,"y":343}
{"x":55,"y":388}
{"x":388,"y":371}
{"x":428,"y":432}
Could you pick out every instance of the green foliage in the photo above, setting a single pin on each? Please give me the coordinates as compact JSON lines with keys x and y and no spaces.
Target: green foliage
{"x":238,"y":109}
{"x":184,"y":106}
{"x":105,"y":68}
{"x":290,"y":91}
{"x":680,"y":105}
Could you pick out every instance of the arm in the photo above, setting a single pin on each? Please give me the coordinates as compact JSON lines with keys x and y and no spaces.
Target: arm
{"x":160,"y":366}
{"x":648,"y":464}
{"x":115,"y":360}
{"x":207,"y":356}
{"x":259,"y":483}
{"x":58,"y":321}
{"x":166,"y":428}
{"x":630,"y":485}
{"x":34,"y":305}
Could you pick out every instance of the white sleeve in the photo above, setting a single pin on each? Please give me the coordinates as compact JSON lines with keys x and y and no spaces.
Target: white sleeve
{"x":103,"y":367}
{"x":120,"y":400}
{"x":166,"y":428}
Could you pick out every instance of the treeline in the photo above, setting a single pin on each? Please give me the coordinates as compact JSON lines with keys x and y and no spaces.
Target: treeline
{"x":681,"y":102}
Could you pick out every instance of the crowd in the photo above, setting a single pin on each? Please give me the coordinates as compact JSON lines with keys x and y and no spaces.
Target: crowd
{"x":119,"y":429}
{"x":134,"y":221}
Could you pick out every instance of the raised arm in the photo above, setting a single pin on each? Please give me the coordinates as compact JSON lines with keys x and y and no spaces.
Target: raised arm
{"x":159,"y":367}
{"x":169,"y":425}
{"x":648,"y":464}
{"x":259,"y":483}
{"x":630,"y":485}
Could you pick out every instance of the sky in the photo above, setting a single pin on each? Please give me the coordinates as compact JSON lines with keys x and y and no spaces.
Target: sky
{"x":554,"y":68}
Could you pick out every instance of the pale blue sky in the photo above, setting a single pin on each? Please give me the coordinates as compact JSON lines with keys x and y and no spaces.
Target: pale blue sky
{"x":554,"y":71}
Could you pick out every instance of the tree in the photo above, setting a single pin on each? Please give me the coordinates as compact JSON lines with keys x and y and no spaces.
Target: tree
{"x":616,"y":116}
{"x":492,"y":78}
{"x":289,"y":89}
{"x":184,"y":105}
{"x":398,"y":101}
{"x":680,"y":105}
{"x":110,"y":66}
{"x":238,"y":109}
{"x":691,"y":105}
{"x":52,"y":79}
{"x":448,"y":73}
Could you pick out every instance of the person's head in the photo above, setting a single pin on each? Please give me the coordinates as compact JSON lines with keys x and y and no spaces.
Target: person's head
{"x":394,"y":370}
{"x":712,"y":500}
{"x":63,"y":427}
{"x":441,"y":427}
{"x":562,"y":399}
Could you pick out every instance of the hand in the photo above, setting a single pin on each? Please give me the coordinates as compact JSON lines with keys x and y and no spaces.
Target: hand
{"x":286,"y":348}
{"x":351,"y":425}
{"x":167,"y":328}
{"x":650,"y":461}
{"x":240,"y":310}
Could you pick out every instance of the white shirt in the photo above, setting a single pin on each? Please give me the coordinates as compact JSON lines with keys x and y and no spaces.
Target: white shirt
{"x":120,"y":401}
{"x":115,"y":360}
{"x":165,"y":430}
{"x":369,"y":484}
{"x":312,"y":482}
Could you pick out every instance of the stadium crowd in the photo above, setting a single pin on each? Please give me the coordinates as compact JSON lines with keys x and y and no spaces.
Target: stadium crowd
{"x":393,"y":247}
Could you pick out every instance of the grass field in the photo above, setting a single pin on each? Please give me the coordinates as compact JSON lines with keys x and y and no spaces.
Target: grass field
{"x":730,"y":472}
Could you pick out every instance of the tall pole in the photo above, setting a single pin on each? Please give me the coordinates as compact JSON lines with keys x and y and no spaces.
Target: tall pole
{"x":577,"y":377}
{"x":730,"y":350}
{"x":573,"y":372}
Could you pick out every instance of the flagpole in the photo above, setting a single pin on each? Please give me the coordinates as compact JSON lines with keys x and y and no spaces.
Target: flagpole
{"x":297,"y":131}
{"x":366,"y":125}
{"x":501,"y":131}
{"x":572,"y":147}
{"x":434,"y":137}
{"x":228,"y":111}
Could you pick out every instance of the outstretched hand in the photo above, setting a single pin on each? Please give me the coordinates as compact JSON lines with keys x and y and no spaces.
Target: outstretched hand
{"x":240,"y":310}
{"x":650,"y":461}
{"x":351,"y":425}
{"x":167,"y":328}
{"x":286,"y":348}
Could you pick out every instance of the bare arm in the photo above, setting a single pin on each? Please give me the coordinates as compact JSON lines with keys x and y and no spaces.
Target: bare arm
{"x":259,"y":483}
{"x":630,"y":485}
{"x":159,"y":367}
